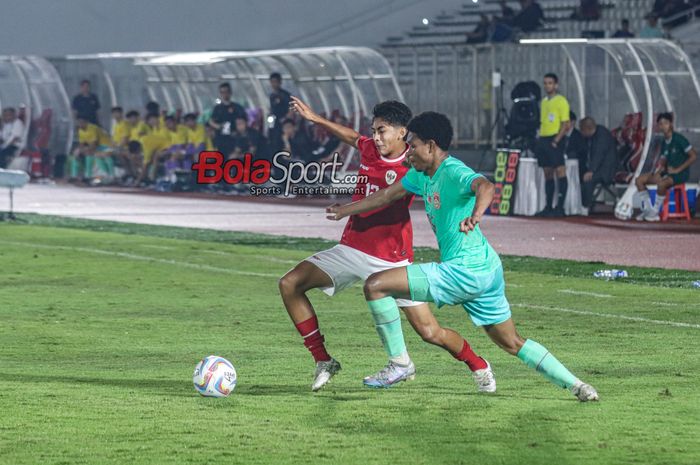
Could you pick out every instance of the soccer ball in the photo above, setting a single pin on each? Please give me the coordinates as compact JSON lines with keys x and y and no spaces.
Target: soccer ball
{"x":214,"y":376}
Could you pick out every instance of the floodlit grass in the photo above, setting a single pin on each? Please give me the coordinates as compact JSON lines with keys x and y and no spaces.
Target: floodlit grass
{"x":102,"y":323}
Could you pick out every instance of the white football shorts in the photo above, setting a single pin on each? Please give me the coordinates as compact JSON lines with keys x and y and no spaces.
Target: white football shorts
{"x":346,"y":266}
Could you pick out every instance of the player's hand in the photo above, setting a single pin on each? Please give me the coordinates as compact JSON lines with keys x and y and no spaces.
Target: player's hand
{"x":302,"y":109}
{"x":333,"y":212}
{"x":554,"y":144}
{"x":672,"y":170}
{"x":587,"y":176}
{"x":469,"y":224}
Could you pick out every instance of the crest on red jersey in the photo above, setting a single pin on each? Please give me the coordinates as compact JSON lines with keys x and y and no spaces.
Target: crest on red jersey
{"x":390,"y":177}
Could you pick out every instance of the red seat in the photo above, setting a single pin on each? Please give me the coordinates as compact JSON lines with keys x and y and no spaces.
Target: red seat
{"x":680,"y":198}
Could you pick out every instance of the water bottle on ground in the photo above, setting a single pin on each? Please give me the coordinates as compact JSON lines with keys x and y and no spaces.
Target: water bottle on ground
{"x":611,"y":274}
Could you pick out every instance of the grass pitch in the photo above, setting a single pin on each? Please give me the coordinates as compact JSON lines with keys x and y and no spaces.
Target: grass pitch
{"x":101,"y":325}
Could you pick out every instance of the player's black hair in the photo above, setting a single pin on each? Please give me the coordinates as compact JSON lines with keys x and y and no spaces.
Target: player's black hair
{"x":190,"y":116}
{"x":243,"y":117}
{"x":393,"y":112}
{"x":132,"y":113}
{"x":225,"y":85}
{"x":134,"y":147}
{"x":430,"y":125}
{"x":152,"y":108}
{"x":85,"y":81}
{"x":119,"y":109}
{"x":572,"y":116}
{"x":668,"y":116}
{"x":276,"y":76}
{"x":552,"y":76}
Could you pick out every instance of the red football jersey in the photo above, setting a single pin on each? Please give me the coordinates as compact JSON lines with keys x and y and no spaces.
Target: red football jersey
{"x":385,"y":233}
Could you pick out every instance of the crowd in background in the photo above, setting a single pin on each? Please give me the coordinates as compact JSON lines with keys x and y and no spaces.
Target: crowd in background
{"x":156,"y":146}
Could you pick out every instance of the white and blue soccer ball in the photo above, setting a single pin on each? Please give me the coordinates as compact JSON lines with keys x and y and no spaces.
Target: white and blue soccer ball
{"x":214,"y":376}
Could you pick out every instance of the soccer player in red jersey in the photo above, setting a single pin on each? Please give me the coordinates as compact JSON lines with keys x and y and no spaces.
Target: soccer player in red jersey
{"x":372,"y":242}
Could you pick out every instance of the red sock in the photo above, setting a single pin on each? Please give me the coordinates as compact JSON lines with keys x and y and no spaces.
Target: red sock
{"x":313,"y":339}
{"x":473,"y":361}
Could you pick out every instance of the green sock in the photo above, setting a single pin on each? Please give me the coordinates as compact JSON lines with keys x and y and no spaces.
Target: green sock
{"x":106,"y":164}
{"x":109,"y":166}
{"x":387,"y":321}
{"x":538,"y":357}
{"x":74,"y":167}
{"x":89,"y":160}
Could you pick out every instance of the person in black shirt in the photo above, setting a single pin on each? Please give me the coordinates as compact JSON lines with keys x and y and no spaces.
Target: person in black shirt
{"x":223,"y":120}
{"x":279,"y":108}
{"x":530,"y":16}
{"x":86,"y":104}
{"x":295,"y":141}
{"x":247,"y":139}
{"x":575,"y":146}
{"x":624,"y":31}
{"x":600,"y":161}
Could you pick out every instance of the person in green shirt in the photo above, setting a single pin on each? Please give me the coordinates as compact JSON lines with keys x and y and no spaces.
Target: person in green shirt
{"x":470,"y":272}
{"x":677,"y":155}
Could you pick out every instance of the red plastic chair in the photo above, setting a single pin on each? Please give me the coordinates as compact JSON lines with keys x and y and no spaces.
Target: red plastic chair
{"x":682,"y":210}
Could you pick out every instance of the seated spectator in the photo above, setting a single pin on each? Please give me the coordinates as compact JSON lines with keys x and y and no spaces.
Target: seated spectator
{"x":327,"y":143}
{"x":197,"y":139}
{"x":121,"y":134}
{"x":677,"y":155}
{"x":247,"y":139}
{"x":11,"y":136}
{"x":599,"y":162}
{"x":588,"y":10}
{"x":480,"y":34}
{"x":137,"y":127}
{"x":295,"y":141}
{"x":652,"y":30}
{"x":575,"y":146}
{"x":530,"y":16}
{"x":177,"y":137}
{"x":624,"y":31}
{"x":86,"y":104}
{"x":94,"y":144}
{"x":150,"y":149}
{"x":507,"y":13}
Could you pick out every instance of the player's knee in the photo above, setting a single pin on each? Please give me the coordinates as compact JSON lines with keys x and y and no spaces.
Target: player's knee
{"x":289,"y":283}
{"x":373,"y":287}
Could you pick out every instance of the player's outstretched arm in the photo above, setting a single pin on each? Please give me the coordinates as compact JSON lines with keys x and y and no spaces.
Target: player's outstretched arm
{"x":379,"y":199}
{"x":484,"y":191}
{"x":345,"y":134}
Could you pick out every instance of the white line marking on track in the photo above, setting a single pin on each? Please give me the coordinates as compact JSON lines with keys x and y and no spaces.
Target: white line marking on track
{"x":609,"y":315}
{"x":144,"y":258}
{"x":591,"y":294}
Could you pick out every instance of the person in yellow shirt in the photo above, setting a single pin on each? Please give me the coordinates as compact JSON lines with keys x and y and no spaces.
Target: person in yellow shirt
{"x":197,"y":138}
{"x":93,"y":144}
{"x":138,"y":128}
{"x":554,"y":125}
{"x":178,"y":140}
{"x":150,"y":149}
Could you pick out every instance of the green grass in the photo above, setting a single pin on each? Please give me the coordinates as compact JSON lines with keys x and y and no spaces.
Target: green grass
{"x":102,"y":323}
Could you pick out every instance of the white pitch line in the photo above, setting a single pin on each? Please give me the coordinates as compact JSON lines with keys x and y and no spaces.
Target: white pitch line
{"x":665,"y":304}
{"x":261,"y":257}
{"x":145,"y":258}
{"x":591,"y":294}
{"x":610,"y":315}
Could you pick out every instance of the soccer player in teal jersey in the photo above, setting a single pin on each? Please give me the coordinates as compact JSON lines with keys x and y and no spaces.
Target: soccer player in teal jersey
{"x":470,"y":271}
